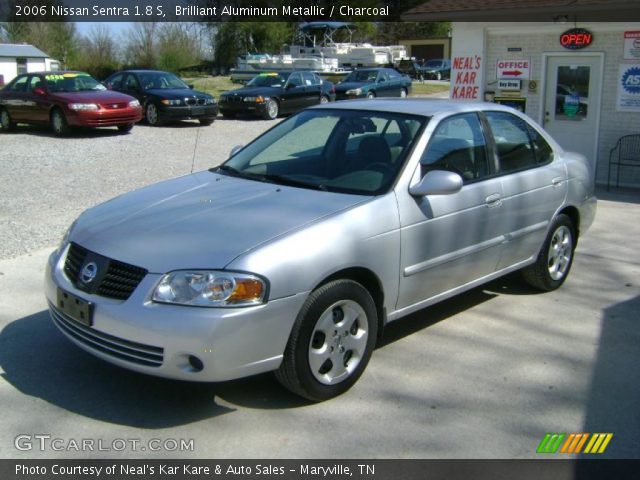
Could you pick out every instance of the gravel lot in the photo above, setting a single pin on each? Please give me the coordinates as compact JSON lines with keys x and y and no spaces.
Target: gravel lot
{"x":45,"y":181}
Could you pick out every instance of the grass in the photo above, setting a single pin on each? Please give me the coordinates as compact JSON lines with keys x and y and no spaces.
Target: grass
{"x":217,"y":85}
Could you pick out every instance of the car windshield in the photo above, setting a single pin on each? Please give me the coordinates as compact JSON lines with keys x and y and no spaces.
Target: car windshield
{"x":161,"y":80}
{"x":347,"y":151}
{"x":433,"y":64}
{"x":267,"y":80}
{"x":72,"y":82}
{"x":362,"y":76}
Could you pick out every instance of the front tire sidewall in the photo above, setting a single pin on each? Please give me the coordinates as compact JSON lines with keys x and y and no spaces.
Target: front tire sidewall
{"x":5,"y":121}
{"x":295,"y":369}
{"x":59,"y":123}
{"x":151,"y":115}
{"x":272,"y":109}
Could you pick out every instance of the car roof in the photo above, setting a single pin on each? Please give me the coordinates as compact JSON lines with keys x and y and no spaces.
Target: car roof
{"x":427,"y":107}
{"x":52,"y":72}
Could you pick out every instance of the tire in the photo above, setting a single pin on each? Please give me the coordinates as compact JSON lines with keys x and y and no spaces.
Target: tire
{"x":331,"y":341}
{"x":205,"y":122}
{"x":271,"y":110}
{"x":554,"y":261}
{"x":438,"y":76}
{"x":151,"y":115}
{"x":125,"y":128}
{"x":324,"y":99}
{"x":6,"y":124}
{"x":403,"y":93}
{"x":59,"y":123}
{"x":371,"y":95}
{"x":228,"y":115}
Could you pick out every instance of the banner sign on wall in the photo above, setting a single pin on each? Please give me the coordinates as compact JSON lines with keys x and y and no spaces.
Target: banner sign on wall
{"x":629,"y":88}
{"x":632,"y":45}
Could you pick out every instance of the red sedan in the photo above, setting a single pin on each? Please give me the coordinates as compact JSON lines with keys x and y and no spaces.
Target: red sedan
{"x":64,"y":100}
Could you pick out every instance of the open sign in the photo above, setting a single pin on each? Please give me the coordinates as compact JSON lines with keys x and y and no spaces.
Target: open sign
{"x":576,"y":38}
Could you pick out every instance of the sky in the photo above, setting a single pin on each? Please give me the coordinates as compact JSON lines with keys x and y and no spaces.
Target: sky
{"x":115,"y":27}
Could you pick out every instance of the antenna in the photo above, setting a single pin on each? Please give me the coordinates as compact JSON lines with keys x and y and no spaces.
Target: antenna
{"x":195,"y":147}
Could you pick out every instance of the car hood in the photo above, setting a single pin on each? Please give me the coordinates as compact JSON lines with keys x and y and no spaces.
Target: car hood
{"x":344,"y":86}
{"x":203,"y":220}
{"x":175,"y":93}
{"x":103,"y":96}
{"x":253,"y":91}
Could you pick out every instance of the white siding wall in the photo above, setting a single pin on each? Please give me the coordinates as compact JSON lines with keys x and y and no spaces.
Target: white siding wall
{"x":8,"y":68}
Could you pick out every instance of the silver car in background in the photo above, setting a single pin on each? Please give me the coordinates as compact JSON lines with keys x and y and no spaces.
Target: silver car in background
{"x":294,"y":254}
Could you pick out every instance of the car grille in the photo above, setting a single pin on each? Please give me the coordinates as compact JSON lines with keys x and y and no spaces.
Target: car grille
{"x":115,"y":105}
{"x":120,"y":348}
{"x":194,"y":101}
{"x":119,"y":282}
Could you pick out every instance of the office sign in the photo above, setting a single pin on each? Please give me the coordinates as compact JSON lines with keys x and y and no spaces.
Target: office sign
{"x":513,"y":69}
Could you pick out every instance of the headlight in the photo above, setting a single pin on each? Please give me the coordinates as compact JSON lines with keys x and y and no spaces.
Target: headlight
{"x":210,"y":288}
{"x":210,"y":101}
{"x":258,"y":99}
{"x":83,"y":106}
{"x":171,"y":102}
{"x":355,"y":91}
{"x":65,"y":238}
{"x":134,"y":103}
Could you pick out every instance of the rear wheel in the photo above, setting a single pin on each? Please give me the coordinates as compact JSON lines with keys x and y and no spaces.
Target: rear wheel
{"x":331,"y":341}
{"x":5,"y":120}
{"x":324,"y":99}
{"x":272,"y":109}
{"x":555,"y":258}
{"x":125,"y":128}
{"x":59,"y":123}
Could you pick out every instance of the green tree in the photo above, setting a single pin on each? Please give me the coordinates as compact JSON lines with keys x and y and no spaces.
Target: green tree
{"x":98,"y":53}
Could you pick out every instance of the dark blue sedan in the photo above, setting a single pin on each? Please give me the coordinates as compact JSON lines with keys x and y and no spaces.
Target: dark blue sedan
{"x":373,"y":82}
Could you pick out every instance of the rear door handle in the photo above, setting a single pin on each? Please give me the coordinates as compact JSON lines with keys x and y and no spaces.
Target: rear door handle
{"x":494,"y":200}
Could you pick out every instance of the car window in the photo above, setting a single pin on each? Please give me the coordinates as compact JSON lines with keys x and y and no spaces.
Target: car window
{"x":295,"y":80}
{"x":72,"y":82}
{"x":515,"y":149}
{"x":542,"y":149}
{"x":131,"y":82}
{"x":115,"y":82}
{"x":383,"y":77}
{"x":336,"y":150}
{"x":310,"y":78}
{"x":267,"y":80}
{"x":458,"y":145}
{"x":394,"y":74}
{"x":34,"y":82}
{"x":19,"y":85}
{"x":362,"y":76}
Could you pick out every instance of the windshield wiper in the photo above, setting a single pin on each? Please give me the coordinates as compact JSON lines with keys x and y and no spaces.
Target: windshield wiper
{"x":284,"y":180}
{"x":227,"y":169}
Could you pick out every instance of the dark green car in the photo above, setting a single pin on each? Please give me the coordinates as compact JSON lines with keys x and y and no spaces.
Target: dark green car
{"x":373,"y":82}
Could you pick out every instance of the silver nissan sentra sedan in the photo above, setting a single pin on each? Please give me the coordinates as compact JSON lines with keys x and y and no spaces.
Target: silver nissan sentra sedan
{"x":293,"y":254}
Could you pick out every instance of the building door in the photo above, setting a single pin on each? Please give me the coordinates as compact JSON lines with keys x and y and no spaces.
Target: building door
{"x":571,"y":113}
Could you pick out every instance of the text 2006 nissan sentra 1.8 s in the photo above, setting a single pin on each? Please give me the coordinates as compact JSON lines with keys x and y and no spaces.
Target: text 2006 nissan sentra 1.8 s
{"x":293,"y":254}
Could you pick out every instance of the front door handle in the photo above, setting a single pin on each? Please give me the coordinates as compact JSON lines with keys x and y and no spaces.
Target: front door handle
{"x":556,"y":182}
{"x":494,"y":200}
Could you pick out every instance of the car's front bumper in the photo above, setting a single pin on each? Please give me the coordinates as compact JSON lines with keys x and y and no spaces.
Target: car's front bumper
{"x":103,"y":117}
{"x":159,"y":339}
{"x":195,"y":112}
{"x":248,"y":108}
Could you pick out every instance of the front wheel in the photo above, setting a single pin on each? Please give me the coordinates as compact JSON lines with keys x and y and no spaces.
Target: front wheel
{"x":324,"y":99}
{"x":151,"y":115}
{"x":403,"y":93}
{"x":331,"y":341}
{"x":125,"y":128}
{"x":59,"y":123}
{"x":272,"y":109}
{"x":5,"y":121}
{"x":552,"y":266}
{"x":371,"y":95}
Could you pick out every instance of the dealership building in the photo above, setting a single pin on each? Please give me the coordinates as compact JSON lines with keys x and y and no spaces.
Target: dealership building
{"x":578,"y":77}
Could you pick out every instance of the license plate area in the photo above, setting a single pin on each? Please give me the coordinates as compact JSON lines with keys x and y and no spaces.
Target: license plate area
{"x":75,"y":307}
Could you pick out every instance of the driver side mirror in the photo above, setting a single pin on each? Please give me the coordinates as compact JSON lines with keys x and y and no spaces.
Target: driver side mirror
{"x":289,"y":86}
{"x":235,"y":149}
{"x":437,"y":182}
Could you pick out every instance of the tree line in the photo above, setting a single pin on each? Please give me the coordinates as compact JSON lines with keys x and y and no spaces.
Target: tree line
{"x":179,"y":46}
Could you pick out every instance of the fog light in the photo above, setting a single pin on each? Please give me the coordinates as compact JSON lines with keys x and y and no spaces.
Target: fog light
{"x":196,"y":363}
